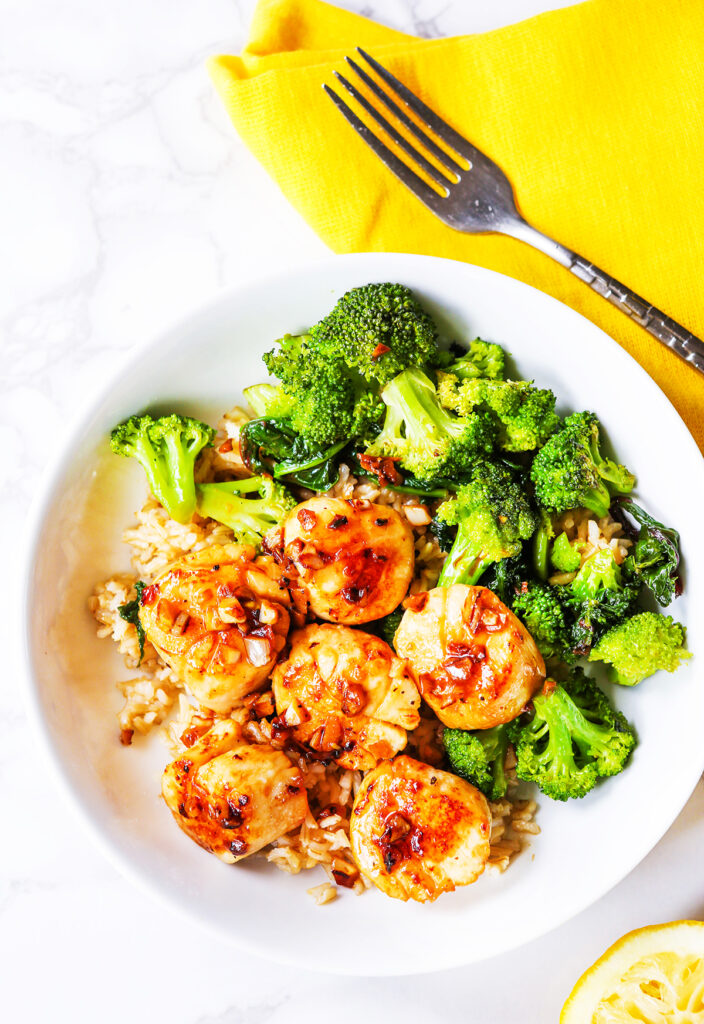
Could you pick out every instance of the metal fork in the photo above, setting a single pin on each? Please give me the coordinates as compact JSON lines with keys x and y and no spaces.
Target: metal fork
{"x":474,"y":194}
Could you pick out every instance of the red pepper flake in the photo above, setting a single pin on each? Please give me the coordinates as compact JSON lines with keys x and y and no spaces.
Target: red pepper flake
{"x":149,"y":594}
{"x":549,"y":687}
{"x":380,"y":350}
{"x":126,"y":737}
{"x":383,"y":468}
{"x":226,"y":446}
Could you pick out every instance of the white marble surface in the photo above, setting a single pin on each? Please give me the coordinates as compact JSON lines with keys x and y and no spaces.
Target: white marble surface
{"x":126,"y":199}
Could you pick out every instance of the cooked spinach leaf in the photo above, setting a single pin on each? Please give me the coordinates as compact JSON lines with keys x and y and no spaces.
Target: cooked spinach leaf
{"x":130,"y":613}
{"x":272,"y":447}
{"x":655,"y":559}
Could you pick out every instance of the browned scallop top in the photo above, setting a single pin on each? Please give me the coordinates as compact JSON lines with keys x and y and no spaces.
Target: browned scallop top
{"x":215,"y":606}
{"x":352,"y":555}
{"x":215,"y":821}
{"x":233,"y":801}
{"x":417,"y":818}
{"x":346,"y":694}
{"x":476,"y":663}
{"x":468,"y":671}
{"x":346,"y":543}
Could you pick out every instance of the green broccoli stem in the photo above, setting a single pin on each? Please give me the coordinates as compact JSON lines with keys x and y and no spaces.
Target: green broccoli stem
{"x":464,"y":564}
{"x":496,"y":744}
{"x":181,"y":461}
{"x":618,"y":479}
{"x":572,"y":724}
{"x":150,"y":461}
{"x":541,"y":551}
{"x":597,"y":500}
{"x":248,"y":518}
{"x":439,"y":492}
{"x":557,"y":756}
{"x":412,"y":395}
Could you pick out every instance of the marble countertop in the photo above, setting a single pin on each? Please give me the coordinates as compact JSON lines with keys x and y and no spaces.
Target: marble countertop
{"x":125,"y":200}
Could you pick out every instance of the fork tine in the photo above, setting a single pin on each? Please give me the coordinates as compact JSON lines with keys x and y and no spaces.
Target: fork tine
{"x":440,"y":154}
{"x":429,"y":169}
{"x":441,"y":128}
{"x":409,"y":178}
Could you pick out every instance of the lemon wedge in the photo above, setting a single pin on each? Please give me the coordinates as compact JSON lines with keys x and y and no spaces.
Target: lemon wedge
{"x":653,"y":975}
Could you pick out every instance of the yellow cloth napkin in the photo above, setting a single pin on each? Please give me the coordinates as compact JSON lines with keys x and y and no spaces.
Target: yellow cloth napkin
{"x":595,"y":112}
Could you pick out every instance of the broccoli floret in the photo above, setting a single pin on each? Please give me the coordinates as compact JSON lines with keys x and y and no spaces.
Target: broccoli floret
{"x":249,"y":518}
{"x":330,"y":403}
{"x":569,"y":471}
{"x":597,"y":599}
{"x":525,"y":415}
{"x":379,"y":330}
{"x":640,"y":646}
{"x":269,"y":402}
{"x":574,"y":738}
{"x":565,"y":554}
{"x":540,"y":609}
{"x":479,"y":758}
{"x":334,"y":372}
{"x":483,"y":359}
{"x":492,"y":515}
{"x":599,"y":572}
{"x":167,"y":448}
{"x":429,"y":441}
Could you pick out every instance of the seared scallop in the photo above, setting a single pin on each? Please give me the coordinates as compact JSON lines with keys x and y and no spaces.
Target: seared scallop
{"x":231,"y":797}
{"x":218,"y":617}
{"x":355,"y":559}
{"x":417,"y":832}
{"x":477,"y":666}
{"x":346,"y":694}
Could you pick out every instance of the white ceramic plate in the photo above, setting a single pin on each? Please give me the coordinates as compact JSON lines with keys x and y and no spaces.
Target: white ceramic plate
{"x":200,"y":367}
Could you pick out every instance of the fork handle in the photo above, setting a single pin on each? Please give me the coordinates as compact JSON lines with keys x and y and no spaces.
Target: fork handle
{"x":664,"y":328}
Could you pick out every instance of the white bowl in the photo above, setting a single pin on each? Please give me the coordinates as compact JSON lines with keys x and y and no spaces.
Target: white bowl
{"x":200,"y":367}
